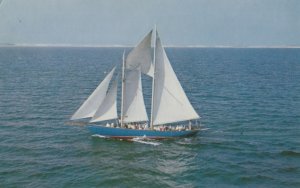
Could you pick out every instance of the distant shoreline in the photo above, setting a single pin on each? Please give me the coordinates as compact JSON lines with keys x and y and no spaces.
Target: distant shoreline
{"x":125,"y":46}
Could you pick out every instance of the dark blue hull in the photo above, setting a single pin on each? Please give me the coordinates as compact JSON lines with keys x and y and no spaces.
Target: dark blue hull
{"x":133,"y":133}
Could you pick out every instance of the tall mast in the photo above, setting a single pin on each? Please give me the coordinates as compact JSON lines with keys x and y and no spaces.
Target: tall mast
{"x":123,"y":90}
{"x":153,"y":81}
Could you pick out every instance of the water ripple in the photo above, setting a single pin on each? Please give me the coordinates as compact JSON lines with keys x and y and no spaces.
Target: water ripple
{"x":249,"y":99}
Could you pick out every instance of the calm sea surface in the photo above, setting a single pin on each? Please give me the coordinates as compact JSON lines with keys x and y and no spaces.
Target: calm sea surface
{"x":248,"y":98}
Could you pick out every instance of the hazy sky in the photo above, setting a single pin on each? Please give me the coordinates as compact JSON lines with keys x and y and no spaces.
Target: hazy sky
{"x":124,"y":22}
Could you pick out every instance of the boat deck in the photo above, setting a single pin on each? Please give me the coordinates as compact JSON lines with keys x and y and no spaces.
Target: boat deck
{"x":125,"y":133}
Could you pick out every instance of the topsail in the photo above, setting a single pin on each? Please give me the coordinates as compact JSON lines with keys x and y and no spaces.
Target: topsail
{"x":141,"y":57}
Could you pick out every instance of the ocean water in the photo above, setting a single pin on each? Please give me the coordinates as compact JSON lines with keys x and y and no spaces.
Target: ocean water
{"x":249,"y":99}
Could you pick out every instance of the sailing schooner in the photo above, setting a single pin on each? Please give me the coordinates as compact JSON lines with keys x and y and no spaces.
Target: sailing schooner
{"x":169,"y":103}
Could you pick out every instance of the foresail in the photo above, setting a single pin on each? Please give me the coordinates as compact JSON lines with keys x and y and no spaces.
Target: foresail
{"x":134,"y":106}
{"x":141,"y":56}
{"x":108,"y":109}
{"x":170,"y":103}
{"x":90,"y":106}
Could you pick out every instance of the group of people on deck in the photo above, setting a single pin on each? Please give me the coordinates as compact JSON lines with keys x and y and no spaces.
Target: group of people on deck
{"x":138,"y":126}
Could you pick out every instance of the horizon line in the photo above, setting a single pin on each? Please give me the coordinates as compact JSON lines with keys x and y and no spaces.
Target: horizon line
{"x":131,"y":46}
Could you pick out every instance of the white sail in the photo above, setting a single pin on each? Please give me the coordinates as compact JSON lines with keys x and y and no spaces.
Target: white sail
{"x":90,"y":106}
{"x":170,"y":103}
{"x":141,"y":56}
{"x":108,"y":108}
{"x":134,"y":106}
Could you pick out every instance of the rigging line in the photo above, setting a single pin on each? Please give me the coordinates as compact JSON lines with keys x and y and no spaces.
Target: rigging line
{"x":123,"y":89}
{"x":173,"y":96}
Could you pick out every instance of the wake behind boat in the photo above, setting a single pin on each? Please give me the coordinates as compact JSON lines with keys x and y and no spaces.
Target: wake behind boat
{"x":171,"y":111}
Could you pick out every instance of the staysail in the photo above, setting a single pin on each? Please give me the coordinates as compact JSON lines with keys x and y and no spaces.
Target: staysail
{"x":90,"y":106}
{"x":134,"y":106}
{"x":170,"y":103}
{"x":141,"y":56}
{"x":108,"y":108}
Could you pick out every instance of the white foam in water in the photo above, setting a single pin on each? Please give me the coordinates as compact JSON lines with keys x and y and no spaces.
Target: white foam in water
{"x":185,"y":141}
{"x":145,"y":141}
{"x":99,"y":136}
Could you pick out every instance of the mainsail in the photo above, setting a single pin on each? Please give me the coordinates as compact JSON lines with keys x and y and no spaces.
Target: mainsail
{"x":90,"y":106}
{"x":170,"y":103}
{"x":108,"y":108}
